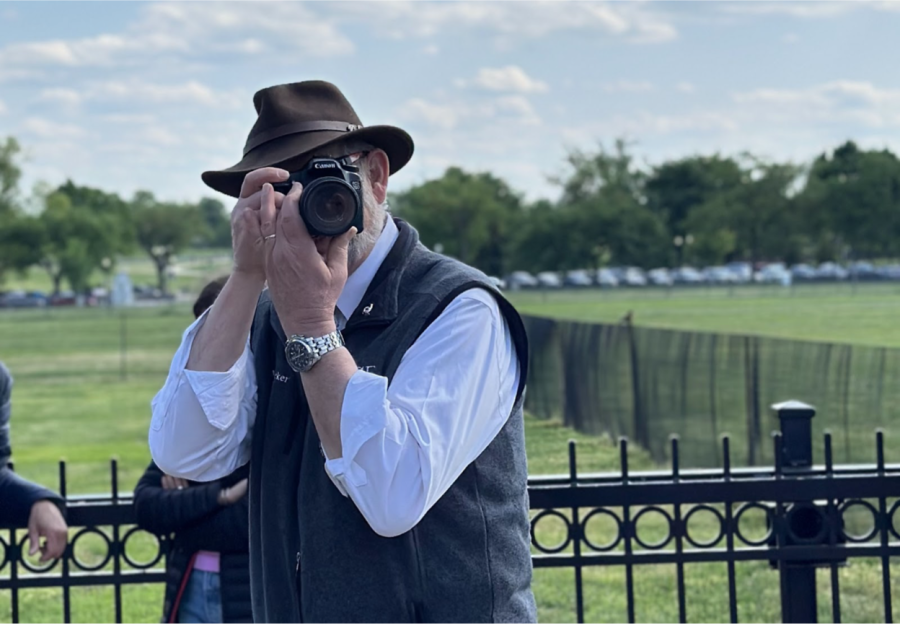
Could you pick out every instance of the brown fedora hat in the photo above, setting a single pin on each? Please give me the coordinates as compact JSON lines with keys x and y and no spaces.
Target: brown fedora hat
{"x":295,"y":119}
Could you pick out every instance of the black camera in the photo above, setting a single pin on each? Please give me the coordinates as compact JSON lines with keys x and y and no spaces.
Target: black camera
{"x":332,"y":201}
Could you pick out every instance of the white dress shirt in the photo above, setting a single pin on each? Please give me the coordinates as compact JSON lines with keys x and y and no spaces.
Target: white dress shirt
{"x":404,"y":443}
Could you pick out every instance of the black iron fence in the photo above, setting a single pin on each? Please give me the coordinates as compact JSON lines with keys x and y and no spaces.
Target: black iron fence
{"x":795,"y":516}
{"x":644,"y":383}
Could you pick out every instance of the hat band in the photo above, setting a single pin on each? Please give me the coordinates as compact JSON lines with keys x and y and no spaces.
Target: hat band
{"x":295,"y":128}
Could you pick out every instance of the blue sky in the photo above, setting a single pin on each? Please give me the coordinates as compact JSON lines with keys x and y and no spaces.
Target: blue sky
{"x":127,"y":96}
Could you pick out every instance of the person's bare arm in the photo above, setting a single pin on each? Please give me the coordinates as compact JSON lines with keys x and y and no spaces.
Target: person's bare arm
{"x":221,"y":339}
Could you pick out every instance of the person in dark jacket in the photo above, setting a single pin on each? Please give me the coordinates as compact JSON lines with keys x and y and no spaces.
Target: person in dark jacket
{"x":23,"y":504}
{"x":207,"y":570}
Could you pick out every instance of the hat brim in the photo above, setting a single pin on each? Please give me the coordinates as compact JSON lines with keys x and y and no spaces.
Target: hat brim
{"x":281,"y":152}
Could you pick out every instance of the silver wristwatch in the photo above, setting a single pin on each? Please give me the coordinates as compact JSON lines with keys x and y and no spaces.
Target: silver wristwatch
{"x":302,"y":352}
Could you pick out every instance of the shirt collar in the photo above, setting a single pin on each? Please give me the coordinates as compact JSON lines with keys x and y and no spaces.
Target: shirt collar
{"x":358,"y":281}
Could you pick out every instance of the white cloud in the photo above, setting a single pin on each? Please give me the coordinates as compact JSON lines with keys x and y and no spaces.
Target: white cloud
{"x":431,"y":50}
{"x":187,"y":31}
{"x":2,"y":107}
{"x":47,"y":129}
{"x":510,"y":78}
{"x":450,"y":115}
{"x":513,"y":20}
{"x":440,"y":115}
{"x":794,"y":9}
{"x":628,"y":86}
{"x":100,"y":51}
{"x":685,"y":87}
{"x":790,"y":38}
{"x":61,"y":95}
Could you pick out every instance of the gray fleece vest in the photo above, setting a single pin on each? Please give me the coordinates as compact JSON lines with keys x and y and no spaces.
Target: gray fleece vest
{"x":313,"y":556}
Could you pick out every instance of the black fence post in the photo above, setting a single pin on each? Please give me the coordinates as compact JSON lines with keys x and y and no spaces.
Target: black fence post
{"x":798,"y":579}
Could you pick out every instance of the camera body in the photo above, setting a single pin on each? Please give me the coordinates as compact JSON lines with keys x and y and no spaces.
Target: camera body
{"x":332,"y":200}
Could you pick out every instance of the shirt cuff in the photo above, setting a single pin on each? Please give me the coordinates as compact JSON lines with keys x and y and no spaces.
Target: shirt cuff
{"x":362,"y":417}
{"x":218,"y":392}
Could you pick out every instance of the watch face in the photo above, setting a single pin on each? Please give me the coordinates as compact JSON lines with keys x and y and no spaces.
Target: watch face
{"x":300,"y":355}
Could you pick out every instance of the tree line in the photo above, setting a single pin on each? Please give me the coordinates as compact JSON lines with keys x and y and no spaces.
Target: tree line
{"x":703,"y":209}
{"x":78,"y":230}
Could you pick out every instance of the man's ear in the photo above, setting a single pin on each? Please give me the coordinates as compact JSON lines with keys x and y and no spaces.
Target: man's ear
{"x":378,"y":169}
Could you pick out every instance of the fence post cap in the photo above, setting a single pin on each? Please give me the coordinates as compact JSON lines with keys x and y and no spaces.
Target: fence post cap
{"x":794,"y":409}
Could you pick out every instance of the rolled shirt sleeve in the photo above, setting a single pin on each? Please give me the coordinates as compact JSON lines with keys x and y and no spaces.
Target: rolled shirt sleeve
{"x":201,"y":421}
{"x":404,"y":444}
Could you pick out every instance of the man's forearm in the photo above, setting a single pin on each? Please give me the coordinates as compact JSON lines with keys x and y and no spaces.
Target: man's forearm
{"x":324,"y":386}
{"x":221,"y":339}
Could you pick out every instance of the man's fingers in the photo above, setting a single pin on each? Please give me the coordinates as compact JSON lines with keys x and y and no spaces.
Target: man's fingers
{"x":55,"y":545}
{"x":34,"y":538}
{"x":166,"y":482}
{"x":268,"y":212}
{"x":337,"y":251}
{"x":289,"y":219}
{"x":254,"y":181}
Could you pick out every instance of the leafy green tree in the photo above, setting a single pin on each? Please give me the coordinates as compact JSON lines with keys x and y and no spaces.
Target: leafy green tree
{"x":851,"y":201}
{"x":758,"y":219}
{"x":74,"y":241}
{"x":604,"y":212}
{"x":676,"y":188}
{"x":10,"y":174}
{"x":163,"y":229}
{"x":472,"y":216}
{"x":217,"y":223}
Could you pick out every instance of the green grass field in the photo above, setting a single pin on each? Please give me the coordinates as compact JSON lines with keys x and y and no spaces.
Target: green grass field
{"x":866,"y":314}
{"x":72,"y":402}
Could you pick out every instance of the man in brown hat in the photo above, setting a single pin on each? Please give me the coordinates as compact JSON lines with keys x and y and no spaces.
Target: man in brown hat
{"x":375,"y":388}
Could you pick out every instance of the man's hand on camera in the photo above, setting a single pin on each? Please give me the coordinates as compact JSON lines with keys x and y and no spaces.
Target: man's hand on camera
{"x":246,"y":222}
{"x":305,"y":276}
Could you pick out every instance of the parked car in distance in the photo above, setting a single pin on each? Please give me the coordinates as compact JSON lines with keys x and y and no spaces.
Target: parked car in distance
{"x":578,"y":278}
{"x":774,"y":273}
{"x":862,"y":270}
{"x":802,"y":272}
{"x":687,"y":275}
{"x":720,"y":275}
{"x":633,"y":276}
{"x":889,"y":272}
{"x":607,"y":279}
{"x":21,"y":299}
{"x":831,"y":271}
{"x":549,"y":280}
{"x":521,"y":280}
{"x":660,"y":277}
{"x":63,"y":298}
{"x":742,"y":271}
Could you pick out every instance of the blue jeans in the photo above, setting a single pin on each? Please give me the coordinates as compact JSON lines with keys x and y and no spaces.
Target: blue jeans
{"x":202,"y":599}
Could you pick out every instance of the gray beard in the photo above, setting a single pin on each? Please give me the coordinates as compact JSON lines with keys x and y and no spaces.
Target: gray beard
{"x":362,"y":243}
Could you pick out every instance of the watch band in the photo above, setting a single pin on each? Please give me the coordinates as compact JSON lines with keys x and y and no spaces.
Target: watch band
{"x":303,"y":352}
{"x":324,"y":344}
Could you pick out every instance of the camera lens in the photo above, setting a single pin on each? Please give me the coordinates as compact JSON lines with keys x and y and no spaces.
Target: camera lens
{"x":329,"y":207}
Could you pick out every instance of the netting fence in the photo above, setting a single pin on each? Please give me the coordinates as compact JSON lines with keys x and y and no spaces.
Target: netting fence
{"x":647,"y":384}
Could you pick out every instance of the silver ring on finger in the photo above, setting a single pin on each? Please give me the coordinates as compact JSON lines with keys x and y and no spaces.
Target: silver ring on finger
{"x":266,"y":238}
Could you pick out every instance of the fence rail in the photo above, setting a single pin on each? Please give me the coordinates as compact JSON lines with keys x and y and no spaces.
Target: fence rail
{"x":793,"y":515}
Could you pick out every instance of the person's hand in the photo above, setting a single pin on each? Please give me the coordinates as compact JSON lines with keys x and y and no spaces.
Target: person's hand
{"x":246,"y":227}
{"x":305,"y":276}
{"x":46,"y":521}
{"x":233,"y":494}
{"x":173,"y":483}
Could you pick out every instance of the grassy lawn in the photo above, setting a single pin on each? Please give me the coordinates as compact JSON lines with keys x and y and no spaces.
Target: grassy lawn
{"x":71,"y":401}
{"x":865,"y":315}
